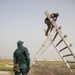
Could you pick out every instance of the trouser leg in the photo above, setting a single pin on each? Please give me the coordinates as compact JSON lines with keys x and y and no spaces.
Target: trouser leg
{"x":47,"y":31}
{"x":16,"y":73}
{"x":51,"y":28}
{"x":48,"y":25}
{"x":24,"y":73}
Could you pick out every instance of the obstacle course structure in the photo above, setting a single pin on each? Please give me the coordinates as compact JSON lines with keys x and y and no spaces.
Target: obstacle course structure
{"x":65,"y":52}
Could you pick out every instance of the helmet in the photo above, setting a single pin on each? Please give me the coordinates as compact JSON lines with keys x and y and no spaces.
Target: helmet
{"x":20,"y":42}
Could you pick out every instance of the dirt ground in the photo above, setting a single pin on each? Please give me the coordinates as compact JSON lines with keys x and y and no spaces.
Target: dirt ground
{"x":43,"y":70}
{"x":5,"y":73}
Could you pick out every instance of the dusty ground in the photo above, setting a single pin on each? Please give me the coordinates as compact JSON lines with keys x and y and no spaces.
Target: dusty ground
{"x":43,"y":70}
{"x":5,"y":73}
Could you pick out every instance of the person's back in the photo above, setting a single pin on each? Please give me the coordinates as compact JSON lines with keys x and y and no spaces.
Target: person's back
{"x":21,"y":57}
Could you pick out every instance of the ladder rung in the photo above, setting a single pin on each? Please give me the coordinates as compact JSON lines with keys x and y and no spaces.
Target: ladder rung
{"x":59,"y":42}
{"x":63,"y":49}
{"x":70,"y":61}
{"x":55,"y":36}
{"x":67,"y":55}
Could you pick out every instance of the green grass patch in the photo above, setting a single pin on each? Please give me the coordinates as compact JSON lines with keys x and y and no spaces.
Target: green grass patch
{"x":6,"y":62}
{"x":6,"y":69}
{"x":50,"y":63}
{"x":6,"y":65}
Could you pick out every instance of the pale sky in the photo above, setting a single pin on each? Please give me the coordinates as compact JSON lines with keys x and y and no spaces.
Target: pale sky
{"x":24,"y":20}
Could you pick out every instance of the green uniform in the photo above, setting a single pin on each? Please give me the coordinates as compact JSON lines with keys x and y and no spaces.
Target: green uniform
{"x":22,"y":56}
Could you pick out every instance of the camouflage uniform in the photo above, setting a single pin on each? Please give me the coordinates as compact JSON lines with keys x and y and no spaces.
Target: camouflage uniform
{"x":22,"y":56}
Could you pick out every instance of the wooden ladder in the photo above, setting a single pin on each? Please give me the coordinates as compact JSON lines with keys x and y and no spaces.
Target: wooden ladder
{"x":65,"y":52}
{"x":44,"y":46}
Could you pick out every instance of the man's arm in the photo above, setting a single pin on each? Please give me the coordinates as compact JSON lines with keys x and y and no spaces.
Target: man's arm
{"x":14,"y":58}
{"x":27,"y":56}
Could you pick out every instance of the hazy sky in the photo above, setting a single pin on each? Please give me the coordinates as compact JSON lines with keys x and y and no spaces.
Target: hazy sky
{"x":24,"y":20}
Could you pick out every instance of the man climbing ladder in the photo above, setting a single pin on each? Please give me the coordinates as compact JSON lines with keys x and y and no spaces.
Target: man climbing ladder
{"x":53,"y":16}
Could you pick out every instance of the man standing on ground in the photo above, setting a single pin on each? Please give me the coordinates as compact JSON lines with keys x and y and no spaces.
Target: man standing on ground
{"x":22,"y":57}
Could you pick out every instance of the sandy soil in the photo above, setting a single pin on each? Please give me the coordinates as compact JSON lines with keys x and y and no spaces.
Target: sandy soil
{"x":5,"y":73}
{"x":43,"y":70}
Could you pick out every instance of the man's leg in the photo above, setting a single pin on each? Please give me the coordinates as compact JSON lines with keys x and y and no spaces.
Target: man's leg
{"x":49,"y":26}
{"x":24,"y":73}
{"x":16,"y":73}
{"x":47,"y":31}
